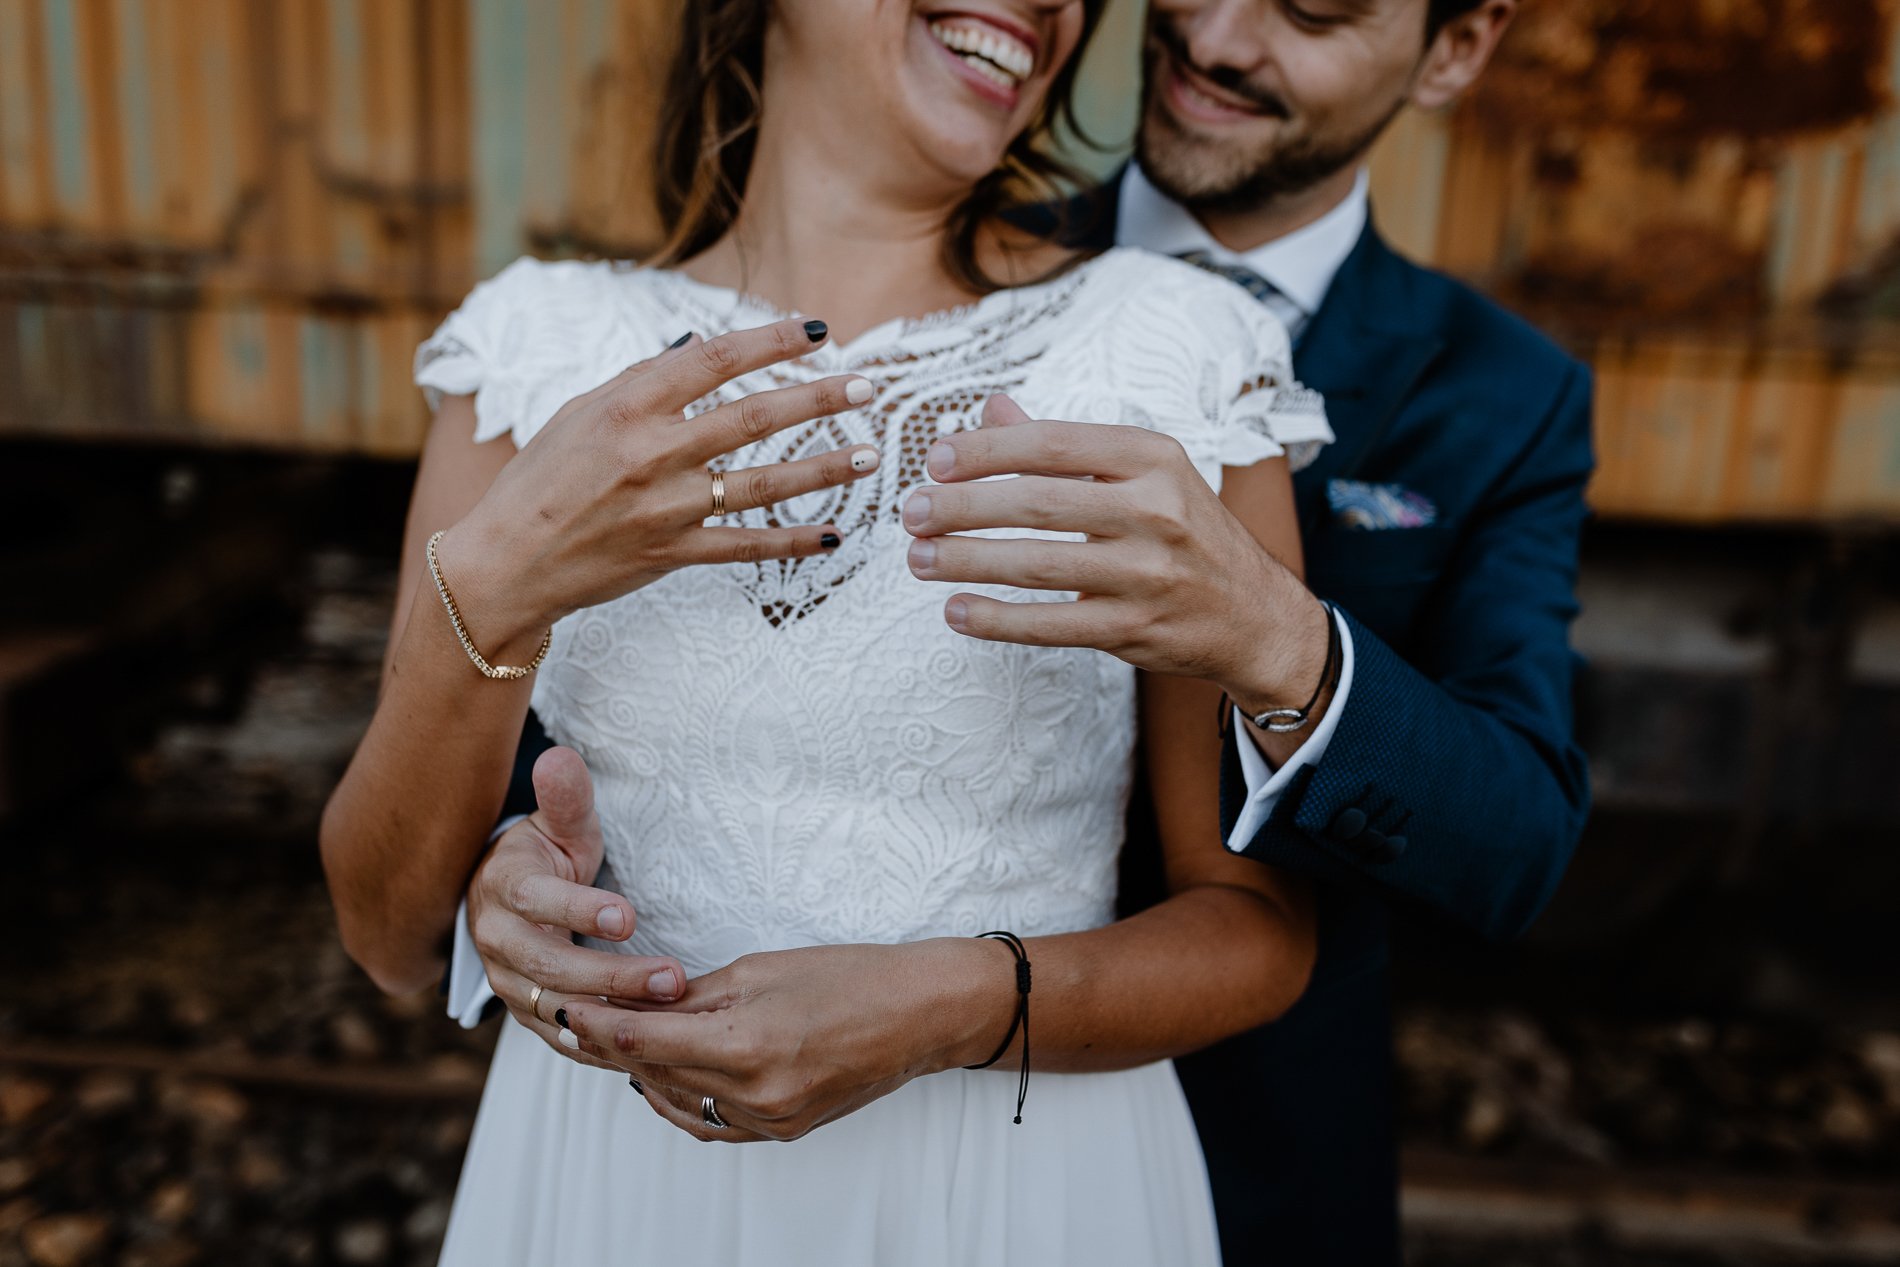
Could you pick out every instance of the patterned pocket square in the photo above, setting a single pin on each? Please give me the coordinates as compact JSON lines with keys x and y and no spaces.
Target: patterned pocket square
{"x":1375,"y":507}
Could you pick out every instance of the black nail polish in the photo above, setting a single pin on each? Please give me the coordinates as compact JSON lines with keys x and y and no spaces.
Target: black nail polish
{"x":560,"y":1017}
{"x":816,"y":331}
{"x":830,"y":540}
{"x":679,"y":342}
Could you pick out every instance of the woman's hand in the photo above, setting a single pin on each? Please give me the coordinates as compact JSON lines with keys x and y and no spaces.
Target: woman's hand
{"x":613,"y":493}
{"x":788,"y":1040}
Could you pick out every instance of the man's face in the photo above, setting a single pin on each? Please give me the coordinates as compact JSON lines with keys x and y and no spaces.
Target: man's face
{"x":1247,"y":100}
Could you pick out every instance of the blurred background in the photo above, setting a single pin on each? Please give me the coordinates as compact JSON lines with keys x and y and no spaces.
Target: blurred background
{"x":224,"y":227}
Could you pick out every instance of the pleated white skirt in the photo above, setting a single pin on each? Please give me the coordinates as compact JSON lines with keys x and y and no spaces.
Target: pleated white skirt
{"x":568,"y":1165}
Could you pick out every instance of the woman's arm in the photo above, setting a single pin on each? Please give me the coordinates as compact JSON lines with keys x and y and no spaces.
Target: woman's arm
{"x":406,"y":824}
{"x":612,"y":495}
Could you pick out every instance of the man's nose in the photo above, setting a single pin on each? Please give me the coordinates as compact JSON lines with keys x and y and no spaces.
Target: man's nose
{"x":1230,"y":34}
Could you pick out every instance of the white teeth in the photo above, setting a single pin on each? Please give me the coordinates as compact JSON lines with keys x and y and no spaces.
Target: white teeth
{"x":1002,"y":58}
{"x":1197,"y":95}
{"x":996,"y":75}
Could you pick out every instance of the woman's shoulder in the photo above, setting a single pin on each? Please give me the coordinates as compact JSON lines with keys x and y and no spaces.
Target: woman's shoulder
{"x":538,"y":333}
{"x":1128,"y":307}
{"x":1153,"y":340}
{"x":1198,"y":298}
{"x":542,"y":312}
{"x":530,"y":286}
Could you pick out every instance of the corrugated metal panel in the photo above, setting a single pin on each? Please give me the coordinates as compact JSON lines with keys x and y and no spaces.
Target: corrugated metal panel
{"x":1704,"y":200}
{"x":233,"y":219}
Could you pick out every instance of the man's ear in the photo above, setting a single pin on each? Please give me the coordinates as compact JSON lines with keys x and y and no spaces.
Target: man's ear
{"x":1460,"y":53}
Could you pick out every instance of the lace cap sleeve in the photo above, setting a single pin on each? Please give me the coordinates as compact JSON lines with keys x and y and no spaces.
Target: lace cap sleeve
{"x":503,"y":347}
{"x":1259,"y":409}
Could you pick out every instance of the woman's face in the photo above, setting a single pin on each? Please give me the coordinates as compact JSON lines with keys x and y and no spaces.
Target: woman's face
{"x":947,"y":82}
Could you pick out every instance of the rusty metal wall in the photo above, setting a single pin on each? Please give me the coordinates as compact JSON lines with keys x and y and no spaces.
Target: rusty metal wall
{"x":1703,"y":198}
{"x":231,"y":220}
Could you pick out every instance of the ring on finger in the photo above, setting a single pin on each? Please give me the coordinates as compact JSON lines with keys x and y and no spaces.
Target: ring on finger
{"x":718,"y":494}
{"x":709,"y":1113}
{"x":534,"y":1001}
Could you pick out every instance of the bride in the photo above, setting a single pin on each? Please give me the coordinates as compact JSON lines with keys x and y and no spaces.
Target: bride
{"x":702,"y":559}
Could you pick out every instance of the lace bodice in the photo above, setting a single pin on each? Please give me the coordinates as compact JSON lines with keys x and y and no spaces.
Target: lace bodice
{"x":795,"y":753}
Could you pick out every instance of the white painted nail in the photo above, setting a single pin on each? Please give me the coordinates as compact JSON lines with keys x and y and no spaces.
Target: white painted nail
{"x":858,"y":390}
{"x":570,"y":1040}
{"x":863,"y":460}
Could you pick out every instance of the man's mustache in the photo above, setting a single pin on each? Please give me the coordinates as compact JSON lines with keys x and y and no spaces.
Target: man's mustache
{"x":1225,"y":77}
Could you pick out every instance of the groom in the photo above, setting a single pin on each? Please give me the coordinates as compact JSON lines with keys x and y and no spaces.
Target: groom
{"x":1442,"y":526}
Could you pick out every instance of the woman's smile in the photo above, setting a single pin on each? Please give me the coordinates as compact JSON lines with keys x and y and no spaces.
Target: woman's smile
{"x":991,"y":54}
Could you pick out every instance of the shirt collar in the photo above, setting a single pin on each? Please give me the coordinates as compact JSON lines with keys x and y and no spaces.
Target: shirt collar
{"x":1300,"y":265}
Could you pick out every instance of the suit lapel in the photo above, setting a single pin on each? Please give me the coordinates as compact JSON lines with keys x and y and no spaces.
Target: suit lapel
{"x":1364,"y":352}
{"x":1090,"y":218}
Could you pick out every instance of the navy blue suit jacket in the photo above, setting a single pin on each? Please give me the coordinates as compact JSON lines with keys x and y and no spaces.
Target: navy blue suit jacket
{"x":1452,"y":779}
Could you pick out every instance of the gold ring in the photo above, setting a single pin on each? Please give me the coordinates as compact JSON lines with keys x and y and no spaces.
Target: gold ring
{"x":534,"y":1002}
{"x":719,"y":494}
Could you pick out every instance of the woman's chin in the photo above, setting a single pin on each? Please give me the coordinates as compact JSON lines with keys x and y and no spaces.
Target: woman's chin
{"x":956,"y":142}
{"x":962,"y":134}
{"x":970,"y":161}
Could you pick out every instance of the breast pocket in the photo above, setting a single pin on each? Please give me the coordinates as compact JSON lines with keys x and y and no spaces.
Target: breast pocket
{"x":1380,"y":577}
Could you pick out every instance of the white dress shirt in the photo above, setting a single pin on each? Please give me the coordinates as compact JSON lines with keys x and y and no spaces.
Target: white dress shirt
{"x":1300,"y":267}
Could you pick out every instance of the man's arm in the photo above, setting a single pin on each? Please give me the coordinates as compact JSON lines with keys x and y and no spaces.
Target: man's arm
{"x":531,"y":893}
{"x":464,"y":983}
{"x":1267,"y":773}
{"x":1456,"y":779}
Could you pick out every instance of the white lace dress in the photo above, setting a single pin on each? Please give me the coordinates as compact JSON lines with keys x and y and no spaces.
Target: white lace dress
{"x":792,"y":754}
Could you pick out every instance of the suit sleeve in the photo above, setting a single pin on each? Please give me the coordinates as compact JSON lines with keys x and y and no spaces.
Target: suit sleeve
{"x":1455,"y":779}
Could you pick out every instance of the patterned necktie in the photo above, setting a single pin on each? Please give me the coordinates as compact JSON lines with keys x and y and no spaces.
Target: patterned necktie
{"x":1291,"y":315}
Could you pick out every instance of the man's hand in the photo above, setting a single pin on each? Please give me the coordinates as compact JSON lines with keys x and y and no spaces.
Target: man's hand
{"x":533,"y":892}
{"x":1170,"y":580}
{"x":788,"y":1040}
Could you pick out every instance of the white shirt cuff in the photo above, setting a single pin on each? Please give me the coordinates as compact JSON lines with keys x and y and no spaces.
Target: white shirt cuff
{"x":1264,"y":783}
{"x":469,"y":990}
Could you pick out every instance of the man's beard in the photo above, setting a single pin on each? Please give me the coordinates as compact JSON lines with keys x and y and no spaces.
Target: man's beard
{"x":1219,"y":183}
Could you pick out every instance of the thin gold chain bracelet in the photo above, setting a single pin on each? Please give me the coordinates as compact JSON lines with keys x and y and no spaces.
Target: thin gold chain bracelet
{"x":498,"y":672}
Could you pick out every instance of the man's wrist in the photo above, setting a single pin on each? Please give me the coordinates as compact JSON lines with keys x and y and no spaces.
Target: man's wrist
{"x":1289,"y":659}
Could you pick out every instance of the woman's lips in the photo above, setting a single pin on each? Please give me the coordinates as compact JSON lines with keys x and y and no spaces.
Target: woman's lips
{"x":985,"y":76}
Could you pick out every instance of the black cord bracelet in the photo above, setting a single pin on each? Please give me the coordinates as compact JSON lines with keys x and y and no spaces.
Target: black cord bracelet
{"x":1021,"y":1019}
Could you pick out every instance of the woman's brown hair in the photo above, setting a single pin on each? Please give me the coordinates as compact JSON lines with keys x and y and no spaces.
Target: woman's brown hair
{"x":709,"y":126}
